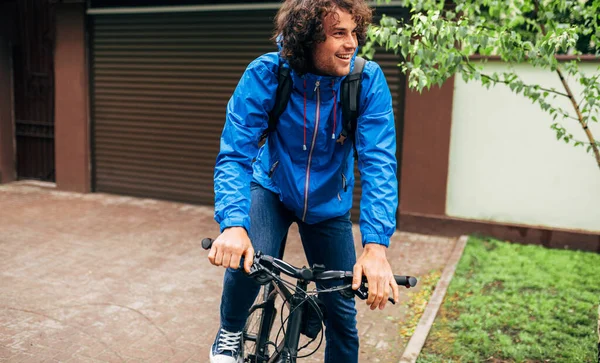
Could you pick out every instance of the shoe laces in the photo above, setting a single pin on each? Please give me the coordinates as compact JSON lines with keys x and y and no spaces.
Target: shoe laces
{"x":229,"y":341}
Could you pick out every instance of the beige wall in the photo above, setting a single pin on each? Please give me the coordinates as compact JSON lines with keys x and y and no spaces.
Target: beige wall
{"x":506,"y":165}
{"x":72,"y":138}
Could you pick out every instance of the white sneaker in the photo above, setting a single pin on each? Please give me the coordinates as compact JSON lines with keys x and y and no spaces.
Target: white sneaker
{"x":227,"y":348}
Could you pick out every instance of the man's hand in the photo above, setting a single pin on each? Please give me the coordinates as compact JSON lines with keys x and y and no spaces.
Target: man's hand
{"x":374,"y":265}
{"x":229,"y":247}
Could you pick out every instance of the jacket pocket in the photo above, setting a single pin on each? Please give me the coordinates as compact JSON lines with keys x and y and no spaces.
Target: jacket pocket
{"x":273,"y":168}
{"x":344,"y":183}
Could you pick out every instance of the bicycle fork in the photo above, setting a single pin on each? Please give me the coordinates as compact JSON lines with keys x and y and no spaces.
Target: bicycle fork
{"x":294,"y":326}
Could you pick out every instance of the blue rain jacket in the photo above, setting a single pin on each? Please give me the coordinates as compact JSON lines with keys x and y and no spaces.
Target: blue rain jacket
{"x":301,"y":161}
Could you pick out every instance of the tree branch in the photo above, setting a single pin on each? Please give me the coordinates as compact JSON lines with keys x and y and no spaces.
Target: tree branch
{"x":580,"y":116}
{"x":524,"y":85}
{"x":571,"y":117}
{"x":572,"y":99}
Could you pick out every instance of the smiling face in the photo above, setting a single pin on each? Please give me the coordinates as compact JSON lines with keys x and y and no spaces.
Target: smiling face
{"x":332,"y":56}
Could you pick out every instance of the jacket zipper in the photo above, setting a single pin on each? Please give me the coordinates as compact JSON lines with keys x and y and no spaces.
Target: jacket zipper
{"x":312,"y":147}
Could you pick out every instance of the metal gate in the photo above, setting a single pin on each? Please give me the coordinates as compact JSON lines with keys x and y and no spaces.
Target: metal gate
{"x":34,"y":90}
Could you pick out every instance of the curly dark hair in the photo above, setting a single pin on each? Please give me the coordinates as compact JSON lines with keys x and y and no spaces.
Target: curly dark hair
{"x":299,"y":26}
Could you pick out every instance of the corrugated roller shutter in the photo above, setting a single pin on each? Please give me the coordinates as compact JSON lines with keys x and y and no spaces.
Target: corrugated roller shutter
{"x":161,"y":86}
{"x":161,"y":83}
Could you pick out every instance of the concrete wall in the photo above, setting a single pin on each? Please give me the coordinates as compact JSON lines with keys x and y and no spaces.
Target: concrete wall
{"x":72,"y":127}
{"x":7,"y":134}
{"x":506,"y":165}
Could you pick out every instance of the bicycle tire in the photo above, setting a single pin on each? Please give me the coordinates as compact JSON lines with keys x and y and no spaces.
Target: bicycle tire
{"x":258,"y":329}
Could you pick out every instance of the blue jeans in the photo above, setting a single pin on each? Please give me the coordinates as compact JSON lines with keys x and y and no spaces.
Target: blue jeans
{"x":329,"y":243}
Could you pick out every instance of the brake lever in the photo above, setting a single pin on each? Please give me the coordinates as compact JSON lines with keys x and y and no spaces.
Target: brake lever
{"x":257,"y":272}
{"x":362,"y":292}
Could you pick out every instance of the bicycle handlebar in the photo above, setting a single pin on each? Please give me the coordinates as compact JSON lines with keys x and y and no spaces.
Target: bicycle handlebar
{"x":317,"y":273}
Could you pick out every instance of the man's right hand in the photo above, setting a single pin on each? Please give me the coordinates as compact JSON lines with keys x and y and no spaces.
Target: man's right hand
{"x":230,"y":246}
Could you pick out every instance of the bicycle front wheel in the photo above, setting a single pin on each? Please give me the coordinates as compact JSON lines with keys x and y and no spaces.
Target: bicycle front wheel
{"x":257,"y":333}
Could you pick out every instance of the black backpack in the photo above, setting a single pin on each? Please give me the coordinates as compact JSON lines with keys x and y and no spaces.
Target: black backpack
{"x":350,"y":99}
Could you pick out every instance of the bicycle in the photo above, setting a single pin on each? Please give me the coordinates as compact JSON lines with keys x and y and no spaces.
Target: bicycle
{"x":305,"y":313}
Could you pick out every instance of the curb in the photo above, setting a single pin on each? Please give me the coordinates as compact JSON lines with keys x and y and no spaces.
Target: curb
{"x":416,"y":342}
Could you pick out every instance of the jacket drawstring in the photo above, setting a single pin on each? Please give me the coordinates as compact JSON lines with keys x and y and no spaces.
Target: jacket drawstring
{"x":334,"y":111}
{"x":304,"y":146}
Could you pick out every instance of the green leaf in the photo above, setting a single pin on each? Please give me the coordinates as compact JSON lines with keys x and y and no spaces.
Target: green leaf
{"x":465,"y":76}
{"x":393,"y":41}
{"x":417,"y":60}
{"x":519,"y":87}
{"x":388,"y":21}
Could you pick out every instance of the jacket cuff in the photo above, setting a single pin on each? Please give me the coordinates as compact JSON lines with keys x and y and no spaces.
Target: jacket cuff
{"x":235,"y":222}
{"x":375,"y":238}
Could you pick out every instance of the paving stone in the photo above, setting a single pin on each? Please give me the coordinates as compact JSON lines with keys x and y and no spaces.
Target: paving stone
{"x":105,"y":278}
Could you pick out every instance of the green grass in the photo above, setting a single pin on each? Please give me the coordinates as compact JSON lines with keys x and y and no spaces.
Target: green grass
{"x":417,"y":302}
{"x":518,"y":303}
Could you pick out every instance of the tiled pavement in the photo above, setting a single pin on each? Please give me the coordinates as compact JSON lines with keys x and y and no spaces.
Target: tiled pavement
{"x":104,"y":278}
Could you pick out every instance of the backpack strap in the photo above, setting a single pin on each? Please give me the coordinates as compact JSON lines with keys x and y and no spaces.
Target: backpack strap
{"x":350,"y":97}
{"x":284,"y":89}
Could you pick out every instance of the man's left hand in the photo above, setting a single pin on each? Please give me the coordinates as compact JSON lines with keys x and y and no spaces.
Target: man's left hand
{"x":374,"y":265}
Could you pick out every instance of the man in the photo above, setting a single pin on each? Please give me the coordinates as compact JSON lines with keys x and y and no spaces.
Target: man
{"x":304,"y":172}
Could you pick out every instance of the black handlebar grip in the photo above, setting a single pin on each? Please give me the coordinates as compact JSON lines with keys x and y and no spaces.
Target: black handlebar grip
{"x":207,"y":243}
{"x":407,"y":281}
